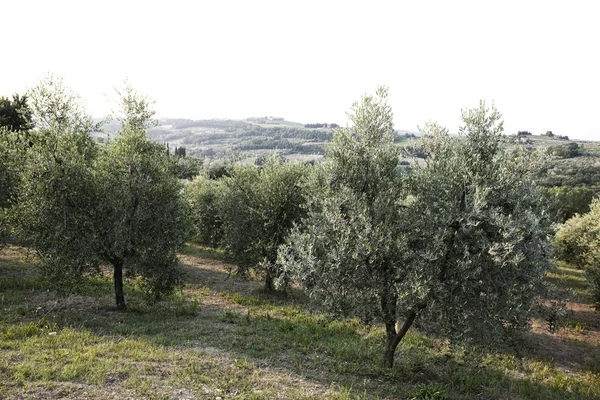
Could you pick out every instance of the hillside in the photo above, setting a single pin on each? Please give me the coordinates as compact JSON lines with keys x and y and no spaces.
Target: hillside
{"x":573,"y":163}
{"x":250,"y":138}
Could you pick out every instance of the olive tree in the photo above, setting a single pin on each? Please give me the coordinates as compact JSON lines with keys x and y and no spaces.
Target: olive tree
{"x":202,"y":195}
{"x":578,"y":242}
{"x":141,"y":219}
{"x":352,"y":251}
{"x":54,"y":203}
{"x":481,"y":243}
{"x":81,"y":205}
{"x":461,"y":240}
{"x":258,"y":207}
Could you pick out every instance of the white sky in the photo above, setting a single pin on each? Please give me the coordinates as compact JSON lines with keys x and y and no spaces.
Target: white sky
{"x":307,"y":61}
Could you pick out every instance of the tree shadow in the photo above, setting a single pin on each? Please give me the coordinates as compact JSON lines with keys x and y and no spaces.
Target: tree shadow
{"x":237,"y":319}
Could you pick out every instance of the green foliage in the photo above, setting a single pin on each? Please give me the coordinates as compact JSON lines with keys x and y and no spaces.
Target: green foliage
{"x":186,"y":167}
{"x":568,"y":201}
{"x":462,"y":240}
{"x":578,"y":242}
{"x":428,"y":392}
{"x":258,"y":207}
{"x":352,"y":252}
{"x":15,"y":122}
{"x":15,"y":115}
{"x":202,"y":196}
{"x":56,"y":107}
{"x":481,"y":239}
{"x":581,"y":171}
{"x":8,"y":177}
{"x":569,"y":150}
{"x":352,"y":242}
{"x":142,"y":217}
{"x":80,"y":205}
{"x":55,"y":201}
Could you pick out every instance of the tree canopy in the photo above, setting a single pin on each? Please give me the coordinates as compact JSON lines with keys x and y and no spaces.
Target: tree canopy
{"x":461,"y":240}
{"x":258,"y":207}
{"x":84,"y":204}
{"x":15,"y":114}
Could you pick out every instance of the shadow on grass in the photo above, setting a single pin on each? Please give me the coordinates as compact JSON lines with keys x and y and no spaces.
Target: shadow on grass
{"x":569,"y":351}
{"x":271,"y":332}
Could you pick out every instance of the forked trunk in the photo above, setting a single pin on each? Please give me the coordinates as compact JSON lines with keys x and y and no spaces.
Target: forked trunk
{"x":394,"y":338}
{"x":118,"y":279}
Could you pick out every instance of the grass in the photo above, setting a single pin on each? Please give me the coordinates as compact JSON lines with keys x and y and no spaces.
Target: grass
{"x":566,"y":276}
{"x":222,"y":337}
{"x":198,"y":250}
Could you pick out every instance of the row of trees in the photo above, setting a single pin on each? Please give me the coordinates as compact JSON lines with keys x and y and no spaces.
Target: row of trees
{"x":83,"y":204}
{"x":460,"y":242}
{"x":249,"y":212}
{"x":321,"y":125}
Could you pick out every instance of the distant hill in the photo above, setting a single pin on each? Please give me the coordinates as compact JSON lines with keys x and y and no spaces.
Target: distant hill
{"x":573,"y":163}
{"x":249,"y":138}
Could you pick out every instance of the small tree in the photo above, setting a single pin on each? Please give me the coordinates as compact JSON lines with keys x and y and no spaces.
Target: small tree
{"x":202,"y":195}
{"x":55,"y":201}
{"x":54,"y":195}
{"x":352,"y":251}
{"x":141,"y":219}
{"x":481,"y":243}
{"x":81,"y":206}
{"x":258,"y":208}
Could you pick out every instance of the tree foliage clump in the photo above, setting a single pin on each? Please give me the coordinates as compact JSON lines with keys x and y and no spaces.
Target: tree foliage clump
{"x":144,"y":219}
{"x":15,"y":124}
{"x":483,"y":249}
{"x":202,"y":195}
{"x":568,"y":150}
{"x":578,"y":242}
{"x":567,"y":201}
{"x":15,"y":114}
{"x":81,"y":205}
{"x":461,"y":241}
{"x":54,"y":201}
{"x":352,"y":253}
{"x":56,"y":107}
{"x":258,"y":207}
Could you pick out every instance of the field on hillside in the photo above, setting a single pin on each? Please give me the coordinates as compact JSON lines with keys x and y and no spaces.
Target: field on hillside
{"x":253,"y":138}
{"x":241,"y":139}
{"x":221,"y":337}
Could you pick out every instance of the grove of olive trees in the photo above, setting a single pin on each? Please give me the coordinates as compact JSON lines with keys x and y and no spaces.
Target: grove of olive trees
{"x":457,"y":243}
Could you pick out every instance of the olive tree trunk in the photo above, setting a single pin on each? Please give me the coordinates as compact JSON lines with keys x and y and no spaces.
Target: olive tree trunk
{"x":118,"y":280}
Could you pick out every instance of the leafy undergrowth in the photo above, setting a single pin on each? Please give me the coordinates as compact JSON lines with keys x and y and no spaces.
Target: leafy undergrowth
{"x":221,"y":337}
